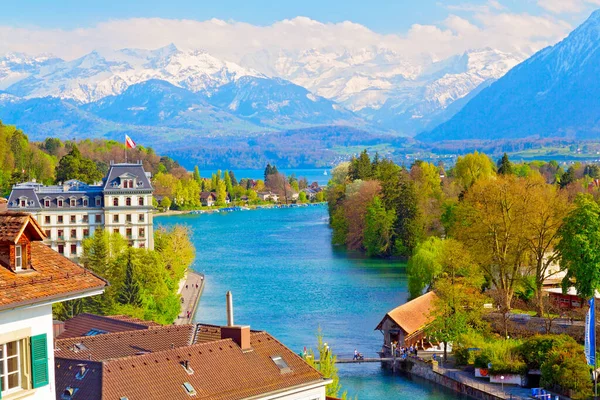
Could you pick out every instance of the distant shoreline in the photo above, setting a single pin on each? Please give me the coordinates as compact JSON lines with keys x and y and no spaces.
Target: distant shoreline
{"x":246,"y":208}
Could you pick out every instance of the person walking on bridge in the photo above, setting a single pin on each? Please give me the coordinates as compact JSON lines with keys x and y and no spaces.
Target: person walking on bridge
{"x":355,"y":355}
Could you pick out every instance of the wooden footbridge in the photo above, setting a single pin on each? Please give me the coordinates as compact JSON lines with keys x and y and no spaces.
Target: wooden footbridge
{"x":349,"y":359}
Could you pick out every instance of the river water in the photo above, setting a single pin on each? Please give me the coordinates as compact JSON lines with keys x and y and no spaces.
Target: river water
{"x":287,"y":279}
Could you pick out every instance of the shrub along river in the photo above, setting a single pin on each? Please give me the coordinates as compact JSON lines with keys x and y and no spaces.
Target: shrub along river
{"x":287,"y":279}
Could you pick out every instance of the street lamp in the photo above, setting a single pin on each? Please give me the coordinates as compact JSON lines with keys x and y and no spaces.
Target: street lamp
{"x":502,"y":380}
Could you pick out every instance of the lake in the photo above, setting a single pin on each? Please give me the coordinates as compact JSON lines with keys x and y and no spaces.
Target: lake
{"x":287,"y":279}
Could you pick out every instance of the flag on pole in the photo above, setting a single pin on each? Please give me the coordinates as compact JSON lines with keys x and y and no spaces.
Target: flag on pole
{"x":129,"y":142}
{"x":590,"y":333}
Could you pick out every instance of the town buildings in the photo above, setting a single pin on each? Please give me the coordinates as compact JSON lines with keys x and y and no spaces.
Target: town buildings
{"x":32,"y":278}
{"x":72,"y":211}
{"x":178,"y":362}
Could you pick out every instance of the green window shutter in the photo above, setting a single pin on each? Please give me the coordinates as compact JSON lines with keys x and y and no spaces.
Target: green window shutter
{"x":39,"y":360}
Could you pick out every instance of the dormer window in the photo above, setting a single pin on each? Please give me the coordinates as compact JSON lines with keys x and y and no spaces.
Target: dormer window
{"x":59,"y":202}
{"x":73,"y":202}
{"x":23,"y":202}
{"x":18,"y":257}
{"x":98,"y":202}
{"x":85,"y":201}
{"x":46,"y":202}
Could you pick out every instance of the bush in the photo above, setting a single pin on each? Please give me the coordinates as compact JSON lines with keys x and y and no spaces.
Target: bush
{"x":535,"y":350}
{"x":566,"y":371}
{"x":462,"y":355}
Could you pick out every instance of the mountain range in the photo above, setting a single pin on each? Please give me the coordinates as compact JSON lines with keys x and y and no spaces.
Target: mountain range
{"x":552,"y":94}
{"x":134,"y":90}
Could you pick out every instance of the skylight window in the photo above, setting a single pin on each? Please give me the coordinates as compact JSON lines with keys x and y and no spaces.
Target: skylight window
{"x":189,"y":388}
{"x":94,"y":332}
{"x":77,"y":347}
{"x":280,"y":362}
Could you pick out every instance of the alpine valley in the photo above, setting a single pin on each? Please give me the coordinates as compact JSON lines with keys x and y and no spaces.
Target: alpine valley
{"x":304,"y":103}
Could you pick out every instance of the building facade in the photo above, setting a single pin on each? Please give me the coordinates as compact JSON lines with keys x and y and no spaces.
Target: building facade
{"x":72,"y":211}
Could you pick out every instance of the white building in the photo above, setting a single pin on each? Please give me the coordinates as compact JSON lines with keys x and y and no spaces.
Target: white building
{"x":32,"y":278}
{"x":71,"y":212}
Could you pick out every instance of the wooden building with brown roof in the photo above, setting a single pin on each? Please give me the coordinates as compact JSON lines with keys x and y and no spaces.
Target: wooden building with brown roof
{"x":404,"y":325}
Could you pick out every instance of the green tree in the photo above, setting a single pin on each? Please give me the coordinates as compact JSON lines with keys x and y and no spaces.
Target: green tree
{"x":566,"y":371}
{"x":302,"y":197}
{"x":234,"y":181}
{"x":361,"y":167}
{"x":75,"y":166}
{"x":408,"y":228}
{"x":471,"y":167}
{"x":568,"y":177}
{"x":165,"y":203}
{"x":129,"y":292}
{"x":221,"y":193}
{"x":197,"y":176}
{"x":377,"y":234}
{"x":578,"y":247}
{"x":228,"y":184}
{"x":505,"y":166}
{"x":270,"y":170}
{"x":326,"y":366}
{"x":320,"y":197}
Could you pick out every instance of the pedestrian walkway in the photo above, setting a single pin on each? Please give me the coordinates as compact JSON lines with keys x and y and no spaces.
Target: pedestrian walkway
{"x":190,"y":290}
{"x":506,"y":392}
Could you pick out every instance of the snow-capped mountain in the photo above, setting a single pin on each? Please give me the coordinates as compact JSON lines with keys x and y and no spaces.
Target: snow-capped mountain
{"x":552,"y":94}
{"x":370,"y":86}
{"x":96,"y":75}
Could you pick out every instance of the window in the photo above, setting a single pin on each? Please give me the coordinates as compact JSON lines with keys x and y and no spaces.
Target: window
{"x":142,"y":232}
{"x":73,"y":233}
{"x":280,"y":362}
{"x":47,"y":219}
{"x":73,"y":219}
{"x":73,"y":203}
{"x":47,"y":203}
{"x":98,"y":202}
{"x":61,"y":249}
{"x":116,"y":230}
{"x":98,"y":218}
{"x":128,"y":218}
{"x":189,"y":389}
{"x":18,"y":257}
{"x":47,"y":232}
{"x":23,"y":203}
{"x":61,"y":234}
{"x":128,"y":201}
{"x":94,"y":332}
{"x":86,"y":218}
{"x":85,"y":202}
{"x":141,"y":218}
{"x":86,"y":233}
{"x":60,"y":219}
{"x":116,"y":218}
{"x":129,"y":233}
{"x":140,"y":201}
{"x":10,"y":367}
{"x":73,"y":249}
{"x":116,"y":202}
{"x":59,"y":202}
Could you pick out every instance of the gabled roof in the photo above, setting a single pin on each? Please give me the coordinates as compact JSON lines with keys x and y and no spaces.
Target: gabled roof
{"x":414,"y":315}
{"x":82,"y":324}
{"x":118,"y":170}
{"x":222,"y":371}
{"x":54,"y":277}
{"x":124,"y":344}
{"x":14,"y":224}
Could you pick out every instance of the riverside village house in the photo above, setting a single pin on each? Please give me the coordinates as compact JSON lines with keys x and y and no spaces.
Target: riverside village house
{"x":32,"y":278}
{"x":73,"y":210}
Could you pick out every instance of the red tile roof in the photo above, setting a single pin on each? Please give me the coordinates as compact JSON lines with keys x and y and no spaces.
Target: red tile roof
{"x":222,"y":371}
{"x":414,"y":315}
{"x":138,"y":321}
{"x":53,"y":277}
{"x":123,"y":344}
{"x":13,"y":224}
{"x":84,"y":323}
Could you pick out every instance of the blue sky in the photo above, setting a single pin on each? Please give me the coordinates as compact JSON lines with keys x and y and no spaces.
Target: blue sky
{"x":383,"y":16}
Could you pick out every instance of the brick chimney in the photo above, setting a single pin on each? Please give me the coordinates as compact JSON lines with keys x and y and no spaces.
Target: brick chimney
{"x":239,"y":334}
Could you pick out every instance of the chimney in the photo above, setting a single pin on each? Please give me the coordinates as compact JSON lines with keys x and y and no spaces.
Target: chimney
{"x":58,"y":328}
{"x":239,"y":334}
{"x":229,"y":308}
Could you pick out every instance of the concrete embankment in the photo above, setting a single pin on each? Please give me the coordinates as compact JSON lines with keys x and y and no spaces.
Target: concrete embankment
{"x":190,"y":290}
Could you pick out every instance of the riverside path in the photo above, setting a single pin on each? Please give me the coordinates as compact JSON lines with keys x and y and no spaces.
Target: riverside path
{"x":190,"y":290}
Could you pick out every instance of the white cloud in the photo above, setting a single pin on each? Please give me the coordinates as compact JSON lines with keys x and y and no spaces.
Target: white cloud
{"x":490,"y":25}
{"x":567,"y":6}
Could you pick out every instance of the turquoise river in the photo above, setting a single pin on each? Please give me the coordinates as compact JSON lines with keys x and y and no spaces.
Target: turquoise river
{"x":287,"y":279}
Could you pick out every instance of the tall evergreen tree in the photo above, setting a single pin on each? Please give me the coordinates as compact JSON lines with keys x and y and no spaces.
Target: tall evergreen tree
{"x":75,"y":166}
{"x":361,"y":167}
{"x":197,"y":177}
{"x":130,"y":291}
{"x":505,"y":167}
{"x":228,"y":184}
{"x":234,"y":181}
